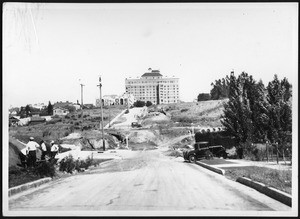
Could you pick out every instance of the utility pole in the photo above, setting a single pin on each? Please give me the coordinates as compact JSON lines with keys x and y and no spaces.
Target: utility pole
{"x":101,"y":122}
{"x":109,"y":115}
{"x":81,"y":85}
{"x":81,"y":95}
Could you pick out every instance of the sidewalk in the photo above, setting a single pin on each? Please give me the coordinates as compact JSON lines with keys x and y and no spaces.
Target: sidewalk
{"x":219,"y":166}
{"x":241,"y":163}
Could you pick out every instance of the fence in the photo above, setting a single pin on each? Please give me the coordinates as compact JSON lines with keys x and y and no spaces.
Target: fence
{"x":272,"y":153}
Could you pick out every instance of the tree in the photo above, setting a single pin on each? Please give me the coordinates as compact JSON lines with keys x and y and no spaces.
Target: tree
{"x":50,"y":109}
{"x":27,"y":110}
{"x":70,"y":108}
{"x":139,"y":103}
{"x":203,"y":97}
{"x":220,"y":89}
{"x":22,"y":112}
{"x":280,"y":112}
{"x":237,"y":111}
{"x":260,"y":116}
{"x":148,"y":103}
{"x":254,"y":113}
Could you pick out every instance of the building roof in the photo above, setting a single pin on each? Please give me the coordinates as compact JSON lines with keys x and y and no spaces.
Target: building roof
{"x":37,"y":119}
{"x":152,"y":73}
{"x":14,"y":118}
{"x":58,"y":107}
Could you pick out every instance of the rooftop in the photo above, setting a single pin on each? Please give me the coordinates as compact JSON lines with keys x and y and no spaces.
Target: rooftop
{"x":152,"y":73}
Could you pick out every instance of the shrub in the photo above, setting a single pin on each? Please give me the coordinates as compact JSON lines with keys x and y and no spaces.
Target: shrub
{"x":15,"y":170}
{"x":69,"y":164}
{"x":139,"y":103}
{"x":46,"y":133}
{"x":71,"y":128}
{"x":67,"y":117}
{"x":184,"y":110}
{"x":184,"y":119}
{"x":45,"y":169}
{"x":66,"y":133}
{"x":148,"y":103}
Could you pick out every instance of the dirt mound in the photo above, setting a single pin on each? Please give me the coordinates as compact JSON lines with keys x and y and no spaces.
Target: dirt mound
{"x":14,"y":159}
{"x":140,"y":136}
{"x":15,"y":148}
{"x":153,"y":121}
{"x":89,"y":140}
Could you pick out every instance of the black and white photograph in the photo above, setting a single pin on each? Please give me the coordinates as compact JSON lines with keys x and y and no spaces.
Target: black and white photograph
{"x":150,"y":109}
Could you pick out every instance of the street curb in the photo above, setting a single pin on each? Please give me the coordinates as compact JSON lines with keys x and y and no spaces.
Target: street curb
{"x":20,"y":188}
{"x":269,"y":191}
{"x":215,"y":169}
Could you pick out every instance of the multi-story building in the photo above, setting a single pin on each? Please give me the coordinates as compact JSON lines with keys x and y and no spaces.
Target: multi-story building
{"x":153,"y":87}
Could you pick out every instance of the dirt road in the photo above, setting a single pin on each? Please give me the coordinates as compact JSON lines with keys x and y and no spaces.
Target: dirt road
{"x":147,"y":181}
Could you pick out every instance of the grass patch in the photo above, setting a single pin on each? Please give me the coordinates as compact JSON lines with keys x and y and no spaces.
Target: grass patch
{"x":278,"y":179}
{"x":19,"y":176}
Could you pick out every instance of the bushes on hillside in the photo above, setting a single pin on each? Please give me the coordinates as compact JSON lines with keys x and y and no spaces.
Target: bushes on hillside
{"x":183,"y":119}
{"x":139,"y":103}
{"x":69,"y":164}
{"x":45,"y":169}
{"x":203,"y":97}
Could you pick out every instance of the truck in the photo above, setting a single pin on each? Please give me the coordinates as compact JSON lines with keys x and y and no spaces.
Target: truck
{"x":204,"y":148}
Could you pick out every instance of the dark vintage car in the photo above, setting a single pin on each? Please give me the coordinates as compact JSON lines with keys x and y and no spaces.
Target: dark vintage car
{"x":136,"y":124}
{"x":202,"y":150}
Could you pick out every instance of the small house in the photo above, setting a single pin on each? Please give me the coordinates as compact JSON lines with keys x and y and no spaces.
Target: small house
{"x":13,"y":121}
{"x":77,"y":106}
{"x":36,"y":120}
{"x":59,"y":111}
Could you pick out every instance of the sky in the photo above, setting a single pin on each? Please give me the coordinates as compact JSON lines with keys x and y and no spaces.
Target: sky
{"x":49,"y":49}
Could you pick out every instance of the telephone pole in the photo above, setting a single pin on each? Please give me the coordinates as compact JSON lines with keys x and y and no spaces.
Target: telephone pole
{"x":101,"y":122}
{"x":81,"y":85}
{"x":81,"y":95}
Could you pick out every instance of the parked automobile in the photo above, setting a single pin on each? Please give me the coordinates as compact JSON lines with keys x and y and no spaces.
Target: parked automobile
{"x":202,"y":150}
{"x":136,"y":125}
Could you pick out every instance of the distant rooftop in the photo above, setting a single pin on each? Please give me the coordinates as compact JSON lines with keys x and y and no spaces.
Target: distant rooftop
{"x":152,"y":73}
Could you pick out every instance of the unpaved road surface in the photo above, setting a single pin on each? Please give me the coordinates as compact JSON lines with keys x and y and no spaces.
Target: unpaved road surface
{"x":145,"y":181}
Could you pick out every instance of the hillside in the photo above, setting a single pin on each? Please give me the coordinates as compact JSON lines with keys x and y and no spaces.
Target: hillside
{"x":203,"y":114}
{"x":57,"y":128}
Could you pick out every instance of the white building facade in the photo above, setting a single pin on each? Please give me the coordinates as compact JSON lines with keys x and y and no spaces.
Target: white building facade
{"x":123,"y":99}
{"x":60,"y":111}
{"x":153,"y":87}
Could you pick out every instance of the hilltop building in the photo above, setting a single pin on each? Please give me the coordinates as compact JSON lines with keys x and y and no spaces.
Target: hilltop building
{"x":153,"y":87}
{"x":60,"y":111}
{"x":116,"y":100}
